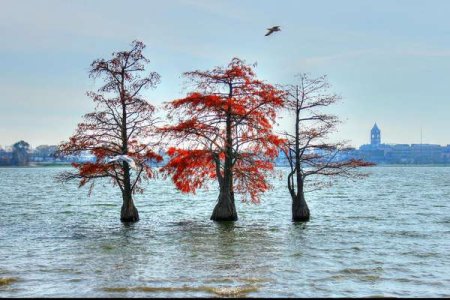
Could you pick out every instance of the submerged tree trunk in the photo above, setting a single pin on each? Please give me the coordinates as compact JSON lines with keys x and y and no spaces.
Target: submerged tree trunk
{"x":128,"y":213}
{"x":300,"y":210}
{"x":225,"y":210}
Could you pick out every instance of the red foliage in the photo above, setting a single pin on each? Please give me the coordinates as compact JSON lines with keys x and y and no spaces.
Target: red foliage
{"x":122,"y":124}
{"x":224,"y":128}
{"x":190,"y":168}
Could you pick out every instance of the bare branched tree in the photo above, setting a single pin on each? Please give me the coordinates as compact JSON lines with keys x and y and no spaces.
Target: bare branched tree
{"x":308,"y":149}
{"x":119,"y":132}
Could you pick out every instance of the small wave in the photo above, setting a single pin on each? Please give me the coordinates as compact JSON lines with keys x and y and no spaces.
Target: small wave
{"x":234,"y":291}
{"x":147,"y":289}
{"x":237,"y":279}
{"x":360,"y":271}
{"x":7,"y":280}
{"x":107,"y":247}
{"x":105,"y":205}
{"x":405,"y":233}
{"x":220,"y":280}
{"x":379,"y":296}
{"x":220,"y":291}
{"x":359,"y":274}
{"x":78,"y":236}
{"x":369,"y":277}
{"x":421,"y":254}
{"x":414,"y":281}
{"x":255,"y":280}
{"x":360,"y":277}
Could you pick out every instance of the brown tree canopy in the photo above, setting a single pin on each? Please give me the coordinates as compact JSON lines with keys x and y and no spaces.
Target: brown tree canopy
{"x":120,"y":132}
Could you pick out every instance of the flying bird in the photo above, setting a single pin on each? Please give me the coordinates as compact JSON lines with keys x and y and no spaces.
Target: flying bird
{"x":122,"y":158}
{"x":272,"y":30}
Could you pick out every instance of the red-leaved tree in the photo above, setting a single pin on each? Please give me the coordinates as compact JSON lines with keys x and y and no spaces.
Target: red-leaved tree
{"x":119,"y":132}
{"x":223,"y":131}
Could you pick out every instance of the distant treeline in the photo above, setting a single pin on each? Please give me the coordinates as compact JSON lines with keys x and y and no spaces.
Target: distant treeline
{"x":21,"y":154}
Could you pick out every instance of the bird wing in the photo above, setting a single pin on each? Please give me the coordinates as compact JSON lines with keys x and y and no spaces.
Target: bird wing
{"x":130,"y":161}
{"x":132,"y":164}
{"x":110,"y":160}
{"x":116,"y":158}
{"x":122,"y":158}
{"x":270,"y":32}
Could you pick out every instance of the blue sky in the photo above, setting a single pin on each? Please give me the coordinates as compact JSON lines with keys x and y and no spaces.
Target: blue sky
{"x":389,"y":60}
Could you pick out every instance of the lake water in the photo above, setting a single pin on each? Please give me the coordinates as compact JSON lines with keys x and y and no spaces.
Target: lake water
{"x":386,"y":235}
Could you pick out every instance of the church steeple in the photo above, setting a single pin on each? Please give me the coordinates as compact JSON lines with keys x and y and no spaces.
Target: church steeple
{"x":375,"y":135}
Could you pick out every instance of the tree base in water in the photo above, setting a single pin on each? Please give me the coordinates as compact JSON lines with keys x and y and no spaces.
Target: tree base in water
{"x":300,"y":210}
{"x":224,"y":219}
{"x":224,"y":211}
{"x":129,"y":219}
{"x":300,"y":218}
{"x":129,"y":214}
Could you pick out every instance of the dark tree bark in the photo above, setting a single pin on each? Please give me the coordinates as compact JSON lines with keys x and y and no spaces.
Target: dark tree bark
{"x":300,"y":209}
{"x":128,"y":213}
{"x":225,"y":209}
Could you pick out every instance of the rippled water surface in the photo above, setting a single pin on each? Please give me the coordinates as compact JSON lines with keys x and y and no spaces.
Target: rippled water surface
{"x":386,"y":235}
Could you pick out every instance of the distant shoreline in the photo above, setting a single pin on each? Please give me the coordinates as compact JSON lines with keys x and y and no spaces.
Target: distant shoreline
{"x":36,"y":165}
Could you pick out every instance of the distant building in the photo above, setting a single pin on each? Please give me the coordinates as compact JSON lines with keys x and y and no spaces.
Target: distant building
{"x":401,"y":153}
{"x":380,"y":153}
{"x":375,"y":136}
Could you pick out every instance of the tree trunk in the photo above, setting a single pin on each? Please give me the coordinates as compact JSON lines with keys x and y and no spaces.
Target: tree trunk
{"x":300,"y":210}
{"x":128,"y":213}
{"x":225,"y":210}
